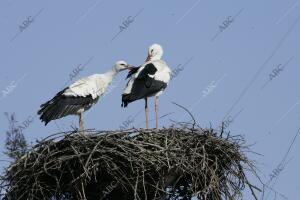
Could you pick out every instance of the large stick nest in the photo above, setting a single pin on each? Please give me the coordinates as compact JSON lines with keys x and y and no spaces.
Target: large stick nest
{"x":131,"y":164}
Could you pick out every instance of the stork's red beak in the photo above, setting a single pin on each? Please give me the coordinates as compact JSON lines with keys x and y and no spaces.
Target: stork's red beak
{"x":148,"y":58}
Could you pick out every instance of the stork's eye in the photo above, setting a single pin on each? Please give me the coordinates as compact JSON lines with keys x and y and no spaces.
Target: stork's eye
{"x":122,"y":64}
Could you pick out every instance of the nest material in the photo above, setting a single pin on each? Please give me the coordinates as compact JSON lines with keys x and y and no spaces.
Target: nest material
{"x":131,"y":164}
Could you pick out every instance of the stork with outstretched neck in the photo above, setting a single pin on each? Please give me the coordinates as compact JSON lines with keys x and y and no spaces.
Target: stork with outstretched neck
{"x":80,"y":96}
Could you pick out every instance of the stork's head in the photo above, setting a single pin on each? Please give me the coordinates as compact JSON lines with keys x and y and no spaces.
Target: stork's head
{"x":155,"y":52}
{"x":122,"y":65}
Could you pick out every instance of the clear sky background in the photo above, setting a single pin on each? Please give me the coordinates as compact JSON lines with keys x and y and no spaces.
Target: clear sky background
{"x":227,"y":50}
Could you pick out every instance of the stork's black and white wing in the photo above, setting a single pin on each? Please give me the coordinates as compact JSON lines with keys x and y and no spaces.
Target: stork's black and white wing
{"x":149,"y":80}
{"x":75,"y":99}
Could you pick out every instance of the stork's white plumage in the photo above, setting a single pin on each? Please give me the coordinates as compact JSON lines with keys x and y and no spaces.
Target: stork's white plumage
{"x":150,"y":79}
{"x":79,"y":96}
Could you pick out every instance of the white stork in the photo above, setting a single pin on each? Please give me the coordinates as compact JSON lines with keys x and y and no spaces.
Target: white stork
{"x":150,"y":79}
{"x":79,"y":96}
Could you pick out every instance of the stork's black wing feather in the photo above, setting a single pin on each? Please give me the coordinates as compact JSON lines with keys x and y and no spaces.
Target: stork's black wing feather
{"x":149,"y":69}
{"x":132,"y":71}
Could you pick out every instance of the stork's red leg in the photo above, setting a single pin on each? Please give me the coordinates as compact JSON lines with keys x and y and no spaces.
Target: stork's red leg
{"x":81,"y":123}
{"x":156,"y":111}
{"x":146,"y":112}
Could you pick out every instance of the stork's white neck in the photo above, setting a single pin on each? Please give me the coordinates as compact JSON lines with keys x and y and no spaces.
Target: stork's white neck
{"x":156,"y":57}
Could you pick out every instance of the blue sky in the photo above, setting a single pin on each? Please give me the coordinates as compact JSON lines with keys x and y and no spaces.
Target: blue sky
{"x":247,"y":72}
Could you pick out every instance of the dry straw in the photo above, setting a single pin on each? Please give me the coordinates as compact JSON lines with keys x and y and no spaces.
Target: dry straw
{"x":131,"y":164}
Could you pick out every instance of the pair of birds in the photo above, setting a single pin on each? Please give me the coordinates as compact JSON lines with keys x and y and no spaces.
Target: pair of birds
{"x":149,"y":79}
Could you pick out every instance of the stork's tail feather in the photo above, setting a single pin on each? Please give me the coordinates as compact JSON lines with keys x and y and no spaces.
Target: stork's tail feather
{"x":126,"y":99}
{"x":62,"y":105}
{"x":49,"y":110}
